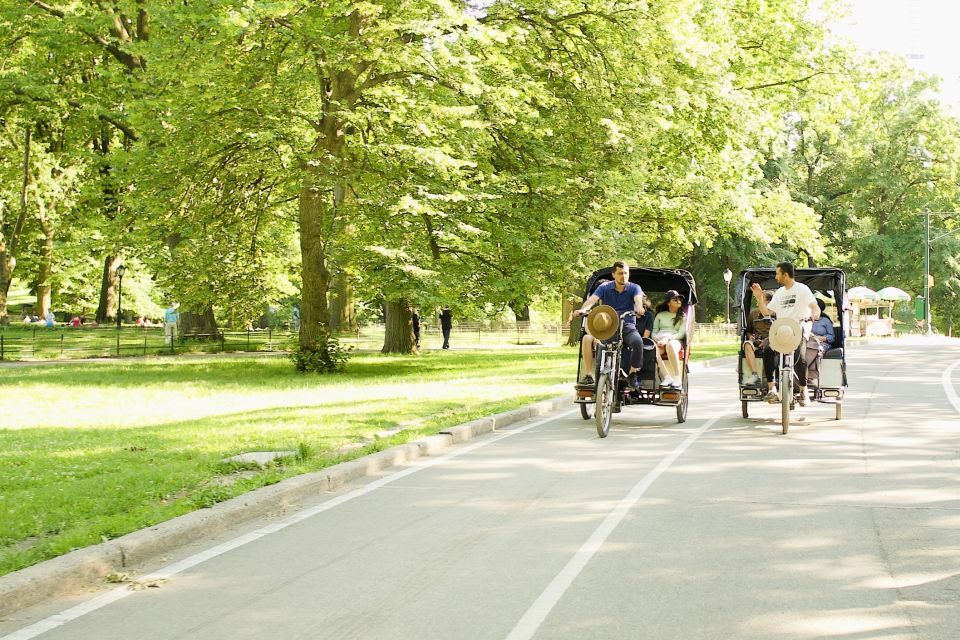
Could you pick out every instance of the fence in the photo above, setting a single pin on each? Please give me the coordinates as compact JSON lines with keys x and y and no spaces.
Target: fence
{"x":41,"y":343}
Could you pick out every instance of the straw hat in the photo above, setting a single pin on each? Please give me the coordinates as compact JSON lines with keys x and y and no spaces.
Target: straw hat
{"x":785,"y":335}
{"x":602,"y":323}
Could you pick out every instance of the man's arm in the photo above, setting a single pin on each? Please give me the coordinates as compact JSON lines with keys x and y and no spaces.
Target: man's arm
{"x":761,"y":301}
{"x":814,"y":310}
{"x":586,"y":306}
{"x":638,"y":305}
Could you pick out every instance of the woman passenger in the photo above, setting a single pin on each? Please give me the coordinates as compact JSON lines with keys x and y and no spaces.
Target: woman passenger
{"x":669,"y":328}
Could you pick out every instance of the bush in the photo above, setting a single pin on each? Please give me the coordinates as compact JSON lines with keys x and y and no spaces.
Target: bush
{"x":329,"y":357}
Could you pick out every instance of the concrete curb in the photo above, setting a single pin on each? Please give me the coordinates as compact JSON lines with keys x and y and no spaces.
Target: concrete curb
{"x":86,"y":568}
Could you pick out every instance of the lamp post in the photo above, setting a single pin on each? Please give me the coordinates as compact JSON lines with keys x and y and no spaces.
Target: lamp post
{"x":927,"y":241}
{"x":727,"y":277}
{"x":120,"y":271}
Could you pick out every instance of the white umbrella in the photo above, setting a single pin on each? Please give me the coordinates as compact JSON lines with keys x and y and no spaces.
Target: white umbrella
{"x":863,"y":294}
{"x":893,"y":294}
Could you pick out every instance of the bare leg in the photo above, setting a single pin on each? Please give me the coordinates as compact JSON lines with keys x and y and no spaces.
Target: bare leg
{"x":588,"y":357}
{"x":661,"y":365}
{"x":751,"y":355}
{"x":673,"y":354}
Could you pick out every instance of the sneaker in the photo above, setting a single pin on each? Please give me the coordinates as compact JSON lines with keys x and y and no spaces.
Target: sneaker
{"x":667,"y":381}
{"x":587,"y":379}
{"x":803,"y":396}
{"x":675,"y":383}
{"x":772,"y":397}
{"x":634,"y":380}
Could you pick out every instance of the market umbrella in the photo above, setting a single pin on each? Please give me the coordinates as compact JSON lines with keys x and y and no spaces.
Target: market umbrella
{"x":893,"y":294}
{"x":863,"y":294}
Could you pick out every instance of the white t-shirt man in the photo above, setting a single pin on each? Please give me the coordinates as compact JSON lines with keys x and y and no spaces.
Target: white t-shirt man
{"x":793,"y":302}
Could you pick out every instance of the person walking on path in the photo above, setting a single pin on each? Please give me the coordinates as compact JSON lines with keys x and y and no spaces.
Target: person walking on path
{"x":415,"y":318}
{"x":446,"y":324}
{"x":170,"y":318}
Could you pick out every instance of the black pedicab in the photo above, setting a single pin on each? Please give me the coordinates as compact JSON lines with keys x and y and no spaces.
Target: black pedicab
{"x":611,"y":388}
{"x":826,"y":372}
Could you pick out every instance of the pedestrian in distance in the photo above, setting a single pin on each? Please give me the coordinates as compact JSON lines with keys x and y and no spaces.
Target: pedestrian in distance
{"x":415,"y":318}
{"x":170,"y":319}
{"x":446,"y":324}
{"x":296,"y":317}
{"x":50,"y":319}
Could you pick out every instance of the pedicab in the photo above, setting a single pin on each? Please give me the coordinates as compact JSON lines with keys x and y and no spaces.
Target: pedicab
{"x":611,"y":389}
{"x":826,"y":371}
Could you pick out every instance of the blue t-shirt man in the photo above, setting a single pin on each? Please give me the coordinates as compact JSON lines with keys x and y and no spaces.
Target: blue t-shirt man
{"x":622,"y":301}
{"x":630,"y":298}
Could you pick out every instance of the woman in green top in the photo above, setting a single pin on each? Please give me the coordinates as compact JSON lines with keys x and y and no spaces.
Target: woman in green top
{"x":669,"y":328}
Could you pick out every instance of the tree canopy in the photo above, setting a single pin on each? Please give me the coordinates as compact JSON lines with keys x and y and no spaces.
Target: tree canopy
{"x":486,"y":155}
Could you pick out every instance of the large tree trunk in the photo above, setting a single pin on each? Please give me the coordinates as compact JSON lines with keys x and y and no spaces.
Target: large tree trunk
{"x":199,"y":323}
{"x":314,"y":314}
{"x":343,"y":305}
{"x":521,"y":310}
{"x":399,"y":328}
{"x":8,"y":248}
{"x":106,"y":310}
{"x":45,"y":270}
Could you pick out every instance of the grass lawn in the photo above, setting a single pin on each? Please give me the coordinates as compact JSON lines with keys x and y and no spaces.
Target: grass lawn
{"x":92,"y":451}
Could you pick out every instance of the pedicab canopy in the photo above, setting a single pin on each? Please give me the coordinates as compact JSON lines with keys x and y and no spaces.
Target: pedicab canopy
{"x":651,"y":280}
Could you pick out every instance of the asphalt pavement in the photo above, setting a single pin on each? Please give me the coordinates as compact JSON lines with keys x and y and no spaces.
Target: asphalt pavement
{"x":720,"y":527}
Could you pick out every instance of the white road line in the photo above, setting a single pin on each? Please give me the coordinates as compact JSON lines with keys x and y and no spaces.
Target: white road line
{"x":947,"y":383}
{"x":62,"y":618}
{"x":541,"y":608}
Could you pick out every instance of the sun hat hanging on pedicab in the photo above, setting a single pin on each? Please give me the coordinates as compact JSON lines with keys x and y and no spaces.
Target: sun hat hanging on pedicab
{"x":603,"y":322}
{"x":785,"y":335}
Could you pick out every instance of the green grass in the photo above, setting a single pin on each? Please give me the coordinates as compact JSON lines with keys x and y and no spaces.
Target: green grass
{"x":89,"y":452}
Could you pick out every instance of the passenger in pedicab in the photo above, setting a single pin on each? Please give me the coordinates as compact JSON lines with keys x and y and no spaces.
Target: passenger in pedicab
{"x":623,"y":296}
{"x":758,"y":334}
{"x":822,"y":338}
{"x":669,"y":329}
{"x":792,"y":300}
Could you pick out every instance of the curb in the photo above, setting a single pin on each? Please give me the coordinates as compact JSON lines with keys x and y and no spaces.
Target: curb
{"x":85,"y":568}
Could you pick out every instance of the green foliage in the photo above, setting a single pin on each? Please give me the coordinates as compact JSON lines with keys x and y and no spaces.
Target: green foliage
{"x":329,"y":357}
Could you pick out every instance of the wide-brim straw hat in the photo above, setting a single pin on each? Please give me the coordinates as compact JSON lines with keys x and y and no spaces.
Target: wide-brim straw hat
{"x":785,"y":335}
{"x":603,"y":322}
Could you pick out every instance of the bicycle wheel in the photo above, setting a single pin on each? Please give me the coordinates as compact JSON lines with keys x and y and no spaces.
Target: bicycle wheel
{"x":684,"y":399}
{"x":586,"y":411}
{"x":786,"y":397}
{"x":839,"y":410}
{"x":604,"y":409}
{"x":744,"y":408}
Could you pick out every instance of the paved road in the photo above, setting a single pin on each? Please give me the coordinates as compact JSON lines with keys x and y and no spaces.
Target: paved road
{"x":717,"y":528}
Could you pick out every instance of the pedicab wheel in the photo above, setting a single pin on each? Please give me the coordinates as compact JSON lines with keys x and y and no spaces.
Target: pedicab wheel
{"x":786,"y":399}
{"x":684,"y":400}
{"x":744,"y":408}
{"x":586,"y":411}
{"x":604,"y":408}
{"x":839,"y":410}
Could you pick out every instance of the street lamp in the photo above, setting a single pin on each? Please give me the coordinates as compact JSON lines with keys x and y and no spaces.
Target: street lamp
{"x":727,"y":277}
{"x":120,"y":271}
